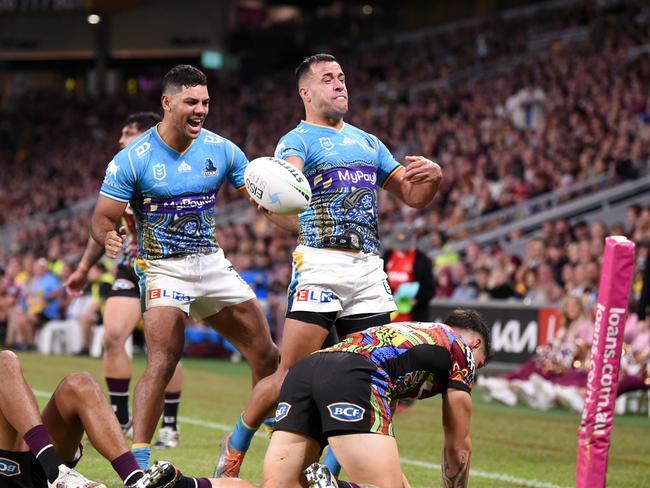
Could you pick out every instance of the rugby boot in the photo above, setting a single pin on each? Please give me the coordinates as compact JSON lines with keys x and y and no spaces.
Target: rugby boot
{"x":127,"y":429}
{"x":319,"y":476}
{"x":162,"y":474}
{"x":168,"y":437}
{"x":230,"y":460}
{"x":69,"y":478}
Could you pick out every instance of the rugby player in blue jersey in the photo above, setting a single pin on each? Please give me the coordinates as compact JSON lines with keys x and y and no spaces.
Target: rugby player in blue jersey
{"x":338,"y":278}
{"x":122,"y":312}
{"x":171,"y":176}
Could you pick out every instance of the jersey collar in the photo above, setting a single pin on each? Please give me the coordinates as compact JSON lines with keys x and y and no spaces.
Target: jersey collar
{"x":171,"y":149}
{"x":324,"y":126}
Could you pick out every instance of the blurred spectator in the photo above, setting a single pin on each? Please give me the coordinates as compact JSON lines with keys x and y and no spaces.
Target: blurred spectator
{"x":527,"y":108}
{"x":40,"y":303}
{"x":410,"y":277}
{"x":466,"y":288}
{"x":570,"y":347}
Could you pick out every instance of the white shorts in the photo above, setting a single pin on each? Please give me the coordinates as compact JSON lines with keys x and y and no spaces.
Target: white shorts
{"x":198,"y":284}
{"x":330,"y":280}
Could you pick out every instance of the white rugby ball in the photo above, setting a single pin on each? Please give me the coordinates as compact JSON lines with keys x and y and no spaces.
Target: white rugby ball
{"x":277,"y":186}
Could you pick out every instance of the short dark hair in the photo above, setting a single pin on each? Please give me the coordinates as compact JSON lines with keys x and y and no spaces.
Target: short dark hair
{"x":305,"y":65}
{"x":184,"y":75}
{"x":470,"y":319}
{"x":143,"y":120}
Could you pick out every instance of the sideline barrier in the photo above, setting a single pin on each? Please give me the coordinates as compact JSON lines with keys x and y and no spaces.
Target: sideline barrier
{"x":517,"y":329}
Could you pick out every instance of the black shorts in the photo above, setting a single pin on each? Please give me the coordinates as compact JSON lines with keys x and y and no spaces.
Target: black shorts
{"x":333,"y":393}
{"x":126,"y":283}
{"x":22,"y":469}
{"x":344,"y":325}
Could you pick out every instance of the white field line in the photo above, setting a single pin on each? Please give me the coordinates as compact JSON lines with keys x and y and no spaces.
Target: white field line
{"x":529,"y":483}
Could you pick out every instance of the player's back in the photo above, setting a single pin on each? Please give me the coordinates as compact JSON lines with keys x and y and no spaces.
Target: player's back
{"x":420,"y":358}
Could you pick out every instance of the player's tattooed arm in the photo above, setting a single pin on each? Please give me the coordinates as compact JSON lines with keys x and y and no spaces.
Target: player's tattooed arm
{"x":457,"y":448}
{"x":458,"y":477}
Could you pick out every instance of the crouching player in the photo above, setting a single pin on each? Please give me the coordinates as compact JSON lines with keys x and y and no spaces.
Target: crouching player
{"x":41,"y":450}
{"x":343,"y":395}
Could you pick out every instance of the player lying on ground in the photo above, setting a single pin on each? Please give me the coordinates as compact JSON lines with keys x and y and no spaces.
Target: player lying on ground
{"x":41,"y":450}
{"x":342,"y":395}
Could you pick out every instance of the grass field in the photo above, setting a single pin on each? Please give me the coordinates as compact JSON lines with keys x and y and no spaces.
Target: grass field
{"x":512,"y":446}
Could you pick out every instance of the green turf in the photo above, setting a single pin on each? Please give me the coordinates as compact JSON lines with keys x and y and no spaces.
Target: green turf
{"x":517,"y":442}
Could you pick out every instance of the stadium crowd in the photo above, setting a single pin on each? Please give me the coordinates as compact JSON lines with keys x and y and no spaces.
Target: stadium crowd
{"x":558,"y":115}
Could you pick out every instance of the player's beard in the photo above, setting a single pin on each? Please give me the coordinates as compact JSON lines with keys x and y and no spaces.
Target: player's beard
{"x":334,"y":115}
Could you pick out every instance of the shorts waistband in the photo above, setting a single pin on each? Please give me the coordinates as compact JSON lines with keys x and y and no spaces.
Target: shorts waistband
{"x":354,"y":255}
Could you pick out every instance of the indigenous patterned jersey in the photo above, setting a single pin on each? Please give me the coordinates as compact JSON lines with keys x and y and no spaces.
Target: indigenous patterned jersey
{"x":417,"y":359}
{"x":344,"y":168}
{"x":173,"y":194}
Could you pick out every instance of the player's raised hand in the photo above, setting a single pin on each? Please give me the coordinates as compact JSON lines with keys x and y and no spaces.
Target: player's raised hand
{"x":76,"y":282}
{"x":114,"y":242}
{"x":422,"y":170}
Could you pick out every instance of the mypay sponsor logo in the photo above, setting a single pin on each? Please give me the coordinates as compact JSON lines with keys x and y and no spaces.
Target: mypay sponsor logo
{"x":9,"y":467}
{"x":163,"y":293}
{"x":282,"y":411}
{"x":357,"y":176}
{"x":308,"y":295}
{"x":346,"y":412}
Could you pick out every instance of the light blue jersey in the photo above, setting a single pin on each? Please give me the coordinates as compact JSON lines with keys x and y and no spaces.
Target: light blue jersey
{"x":344,"y":168}
{"x":173,"y":194}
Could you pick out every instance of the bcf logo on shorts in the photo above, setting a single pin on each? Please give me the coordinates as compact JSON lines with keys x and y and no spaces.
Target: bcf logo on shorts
{"x":282,"y":411}
{"x":346,"y":412}
{"x":307,"y":295}
{"x":9,"y":467}
{"x":173,"y":294}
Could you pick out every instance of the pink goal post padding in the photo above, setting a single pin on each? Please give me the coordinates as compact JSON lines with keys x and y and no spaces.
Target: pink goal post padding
{"x":598,"y":413}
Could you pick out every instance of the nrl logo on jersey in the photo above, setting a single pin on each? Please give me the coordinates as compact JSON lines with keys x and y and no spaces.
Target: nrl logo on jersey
{"x":210,"y":168}
{"x":212,"y":139}
{"x":326,"y":143}
{"x":159,"y":171}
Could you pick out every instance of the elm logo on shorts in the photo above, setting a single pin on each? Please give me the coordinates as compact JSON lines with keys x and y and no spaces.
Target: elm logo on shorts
{"x":282,"y":411}
{"x":307,"y":295}
{"x":346,"y":412}
{"x":173,"y":294}
{"x":8,"y":467}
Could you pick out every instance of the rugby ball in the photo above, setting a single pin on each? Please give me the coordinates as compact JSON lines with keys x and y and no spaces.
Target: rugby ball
{"x":278,"y":186}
